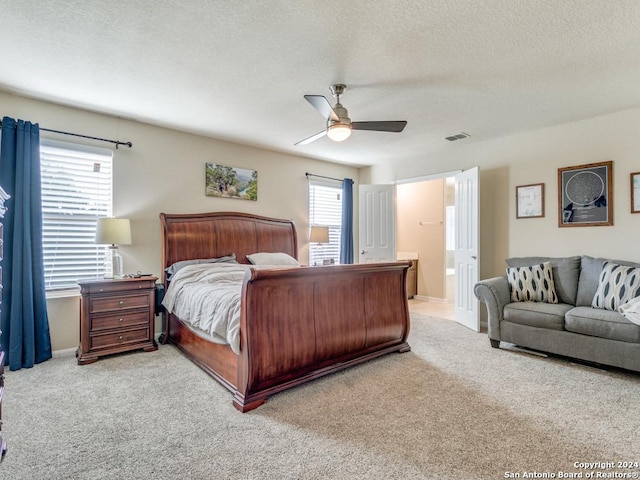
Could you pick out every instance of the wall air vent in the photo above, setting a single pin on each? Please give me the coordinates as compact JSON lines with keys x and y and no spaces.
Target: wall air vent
{"x":458,"y":136}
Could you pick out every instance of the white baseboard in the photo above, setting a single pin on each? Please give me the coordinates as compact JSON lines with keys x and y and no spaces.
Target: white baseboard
{"x":72,"y":351}
{"x":64,"y":352}
{"x":424,"y":298}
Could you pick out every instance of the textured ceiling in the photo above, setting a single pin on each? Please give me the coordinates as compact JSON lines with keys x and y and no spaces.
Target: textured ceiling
{"x":238,"y":70}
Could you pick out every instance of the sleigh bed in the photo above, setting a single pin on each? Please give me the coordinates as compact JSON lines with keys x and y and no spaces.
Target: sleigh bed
{"x":296,"y":324}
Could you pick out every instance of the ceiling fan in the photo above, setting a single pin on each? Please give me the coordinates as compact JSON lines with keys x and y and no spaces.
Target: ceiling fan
{"x":339,"y":125}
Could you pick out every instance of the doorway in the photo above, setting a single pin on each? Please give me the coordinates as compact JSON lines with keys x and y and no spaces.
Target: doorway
{"x":425,"y":231}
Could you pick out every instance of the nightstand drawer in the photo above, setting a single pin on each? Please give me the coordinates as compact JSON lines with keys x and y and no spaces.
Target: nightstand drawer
{"x":109,"y":304}
{"x":110,"y":340}
{"x":116,"y":286}
{"x":105,"y":322}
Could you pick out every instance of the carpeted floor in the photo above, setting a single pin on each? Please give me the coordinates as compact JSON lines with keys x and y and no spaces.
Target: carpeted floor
{"x":452,"y":408}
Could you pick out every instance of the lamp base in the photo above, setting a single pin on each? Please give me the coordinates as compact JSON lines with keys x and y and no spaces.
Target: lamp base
{"x":113,"y":264}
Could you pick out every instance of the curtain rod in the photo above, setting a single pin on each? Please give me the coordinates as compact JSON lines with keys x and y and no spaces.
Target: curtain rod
{"x":322,"y":176}
{"x":116,"y":142}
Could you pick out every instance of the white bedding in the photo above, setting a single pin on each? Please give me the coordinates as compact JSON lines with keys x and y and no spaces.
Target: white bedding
{"x":207,"y":296}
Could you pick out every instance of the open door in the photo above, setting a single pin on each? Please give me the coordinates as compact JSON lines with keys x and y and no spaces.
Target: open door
{"x":377,"y":223}
{"x":467,"y":311}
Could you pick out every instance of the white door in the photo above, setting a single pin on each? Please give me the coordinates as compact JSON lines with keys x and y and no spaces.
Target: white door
{"x":467,"y":311}
{"x":377,"y":223}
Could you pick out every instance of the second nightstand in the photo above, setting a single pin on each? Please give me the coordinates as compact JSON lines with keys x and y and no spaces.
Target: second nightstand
{"x":116,"y":316}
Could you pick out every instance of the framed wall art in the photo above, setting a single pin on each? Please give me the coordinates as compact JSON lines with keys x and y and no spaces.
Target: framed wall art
{"x":230,"y":182}
{"x":530,"y":201}
{"x":635,"y":192}
{"x":585,"y":195}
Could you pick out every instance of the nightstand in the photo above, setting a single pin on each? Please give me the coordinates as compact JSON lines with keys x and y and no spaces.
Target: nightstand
{"x":116,"y":315}
{"x":412,"y":279}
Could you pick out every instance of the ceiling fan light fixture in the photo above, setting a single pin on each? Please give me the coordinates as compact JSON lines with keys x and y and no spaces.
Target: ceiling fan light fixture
{"x":339,"y":125}
{"x":338,"y":132}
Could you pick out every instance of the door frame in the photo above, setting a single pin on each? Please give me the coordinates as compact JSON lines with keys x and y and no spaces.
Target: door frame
{"x":428,"y":178}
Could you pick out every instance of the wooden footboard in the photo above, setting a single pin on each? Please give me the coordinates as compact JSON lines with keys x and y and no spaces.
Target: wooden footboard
{"x":301,"y":324}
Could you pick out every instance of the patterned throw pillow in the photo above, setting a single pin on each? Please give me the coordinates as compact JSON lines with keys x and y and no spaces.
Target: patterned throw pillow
{"x":617,"y":285}
{"x":533,"y":283}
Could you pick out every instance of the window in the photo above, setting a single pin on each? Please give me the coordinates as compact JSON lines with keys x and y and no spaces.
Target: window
{"x":76,"y":190}
{"x":325,"y":208}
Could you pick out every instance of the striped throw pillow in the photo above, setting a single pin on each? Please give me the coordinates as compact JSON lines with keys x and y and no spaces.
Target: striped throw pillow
{"x":533,"y":283}
{"x":617,"y":285}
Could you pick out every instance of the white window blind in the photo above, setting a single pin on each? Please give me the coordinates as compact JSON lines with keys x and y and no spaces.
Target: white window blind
{"x":325,"y":209}
{"x":76,"y":190}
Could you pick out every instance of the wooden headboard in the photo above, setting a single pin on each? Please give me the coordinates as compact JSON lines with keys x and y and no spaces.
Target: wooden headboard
{"x":216,"y":234}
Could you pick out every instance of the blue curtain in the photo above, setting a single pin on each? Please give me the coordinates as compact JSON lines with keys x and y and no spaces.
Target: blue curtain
{"x":346,"y":240}
{"x":24,"y":321}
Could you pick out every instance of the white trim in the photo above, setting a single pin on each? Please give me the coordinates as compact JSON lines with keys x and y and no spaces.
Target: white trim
{"x":65,"y":352}
{"x":430,"y":299}
{"x":424,"y":178}
{"x":326,"y":182}
{"x":66,"y":293}
{"x":76,"y":147}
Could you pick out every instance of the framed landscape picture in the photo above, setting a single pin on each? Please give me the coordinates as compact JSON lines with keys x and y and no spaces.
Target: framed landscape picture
{"x":585,"y":195}
{"x":530,"y":201}
{"x":230,"y":182}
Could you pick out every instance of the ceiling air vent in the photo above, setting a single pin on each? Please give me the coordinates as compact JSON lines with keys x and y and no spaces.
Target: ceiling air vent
{"x":453,"y":138}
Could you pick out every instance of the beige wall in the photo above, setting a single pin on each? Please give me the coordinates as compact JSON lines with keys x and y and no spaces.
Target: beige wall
{"x":164,"y":172}
{"x":421,"y":229}
{"x":534,"y":157}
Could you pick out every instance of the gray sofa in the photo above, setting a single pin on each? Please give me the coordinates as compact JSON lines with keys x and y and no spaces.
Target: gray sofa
{"x":570,"y":327}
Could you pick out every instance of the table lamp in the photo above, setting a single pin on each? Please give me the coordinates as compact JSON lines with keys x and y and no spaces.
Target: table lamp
{"x":319,"y":234}
{"x":113,"y":231}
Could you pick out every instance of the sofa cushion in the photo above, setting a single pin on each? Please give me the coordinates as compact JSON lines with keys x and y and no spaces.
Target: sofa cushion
{"x":566,"y":271}
{"x":589,"y":277}
{"x":543,"y":315}
{"x":533,"y":283}
{"x":601,"y":323}
{"x":617,"y":285}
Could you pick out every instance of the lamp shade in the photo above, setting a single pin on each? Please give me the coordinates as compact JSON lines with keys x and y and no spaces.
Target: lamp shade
{"x":116,"y":231}
{"x":319,"y":234}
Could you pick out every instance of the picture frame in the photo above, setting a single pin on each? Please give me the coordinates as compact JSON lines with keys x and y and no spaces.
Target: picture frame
{"x":635,"y":192}
{"x":530,"y":201}
{"x":585,"y":195}
{"x":230,"y":182}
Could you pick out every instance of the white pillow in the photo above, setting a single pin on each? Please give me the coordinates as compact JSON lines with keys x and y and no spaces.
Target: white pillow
{"x":272,"y":258}
{"x":617,"y":285}
{"x":533,"y":283}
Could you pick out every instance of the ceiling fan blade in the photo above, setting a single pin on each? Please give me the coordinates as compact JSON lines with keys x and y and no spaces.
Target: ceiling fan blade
{"x":312,"y":138}
{"x":321,"y":104}
{"x":396,"y":126}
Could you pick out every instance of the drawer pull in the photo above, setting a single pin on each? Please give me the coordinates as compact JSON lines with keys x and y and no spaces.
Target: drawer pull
{"x":121,"y":302}
{"x":120,"y":337}
{"x":121,"y":320}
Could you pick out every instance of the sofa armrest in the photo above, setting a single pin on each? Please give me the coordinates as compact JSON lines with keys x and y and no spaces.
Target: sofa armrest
{"x":495,"y":294}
